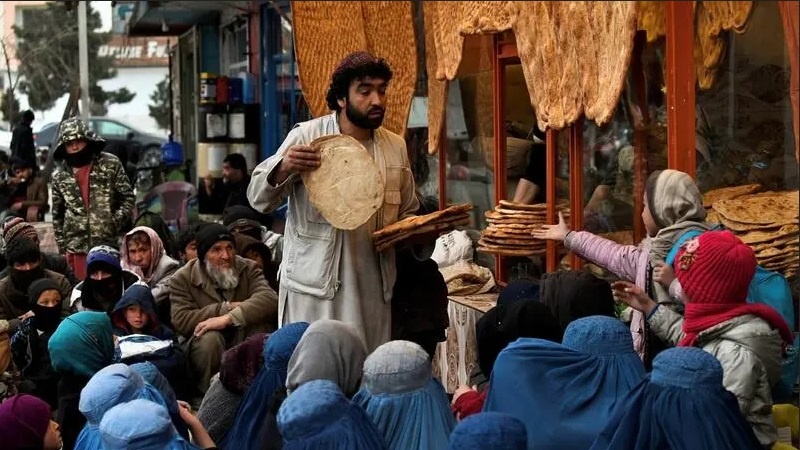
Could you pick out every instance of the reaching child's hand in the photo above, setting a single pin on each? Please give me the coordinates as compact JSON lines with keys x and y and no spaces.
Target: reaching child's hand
{"x":633,"y":296}
{"x":553,"y":232}
{"x":663,"y":274}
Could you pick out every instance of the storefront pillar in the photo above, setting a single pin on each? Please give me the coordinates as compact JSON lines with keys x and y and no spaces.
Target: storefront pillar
{"x":681,"y":80}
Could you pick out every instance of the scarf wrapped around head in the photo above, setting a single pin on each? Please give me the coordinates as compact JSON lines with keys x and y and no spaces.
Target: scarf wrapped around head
{"x":572,"y":295}
{"x":329,"y":350}
{"x":24,"y":420}
{"x":399,"y":394}
{"x":109,"y":387}
{"x":142,"y":425}
{"x":564,"y":393}
{"x":151,"y":375}
{"x":676,"y":204}
{"x":156,"y":253}
{"x":489,"y":430}
{"x":82,"y":344}
{"x":278,"y":350}
{"x":318,"y":416}
{"x":241,"y":363}
{"x":505,"y":323}
{"x":715,"y":270}
{"x":682,"y":404}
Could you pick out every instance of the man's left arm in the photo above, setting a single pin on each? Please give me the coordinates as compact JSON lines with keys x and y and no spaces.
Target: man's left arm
{"x":261,"y":306}
{"x":123,"y":193}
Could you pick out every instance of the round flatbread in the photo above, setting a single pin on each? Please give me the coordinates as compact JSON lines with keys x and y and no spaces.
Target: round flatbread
{"x":727,"y":193}
{"x":760,"y":208}
{"x":347,"y":188}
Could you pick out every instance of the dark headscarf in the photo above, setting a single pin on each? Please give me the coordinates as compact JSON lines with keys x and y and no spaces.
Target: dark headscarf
{"x":506,"y":323}
{"x":518,"y":290}
{"x":241,"y":364}
{"x":572,"y":295}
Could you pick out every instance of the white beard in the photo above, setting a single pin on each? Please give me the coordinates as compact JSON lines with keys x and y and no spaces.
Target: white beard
{"x":225,"y":279}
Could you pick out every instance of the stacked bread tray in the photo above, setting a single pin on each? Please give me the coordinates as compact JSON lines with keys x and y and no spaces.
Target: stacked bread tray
{"x":438,"y":221}
{"x":510,"y":227}
{"x":768,"y":223}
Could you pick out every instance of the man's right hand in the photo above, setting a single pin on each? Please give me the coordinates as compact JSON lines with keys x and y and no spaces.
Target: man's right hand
{"x":298,"y":159}
{"x":208,"y":183}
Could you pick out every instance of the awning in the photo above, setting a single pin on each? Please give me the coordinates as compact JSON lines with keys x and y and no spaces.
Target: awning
{"x":173,"y":18}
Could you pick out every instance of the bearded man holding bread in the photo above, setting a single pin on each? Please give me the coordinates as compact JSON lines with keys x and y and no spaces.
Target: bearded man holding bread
{"x":329,"y":272}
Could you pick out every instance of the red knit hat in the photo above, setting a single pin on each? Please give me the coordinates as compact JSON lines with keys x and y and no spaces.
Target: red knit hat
{"x":715,"y":267}
{"x":715,"y":270}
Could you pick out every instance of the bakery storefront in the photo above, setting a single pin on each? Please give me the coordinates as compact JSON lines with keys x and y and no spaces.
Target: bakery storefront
{"x":621,"y":88}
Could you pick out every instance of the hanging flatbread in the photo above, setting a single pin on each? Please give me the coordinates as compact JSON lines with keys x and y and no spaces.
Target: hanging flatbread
{"x":347,"y":188}
{"x":760,"y":209}
{"x":727,"y":193}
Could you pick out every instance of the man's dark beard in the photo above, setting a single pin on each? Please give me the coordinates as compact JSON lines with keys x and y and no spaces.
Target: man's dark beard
{"x":363,"y":121}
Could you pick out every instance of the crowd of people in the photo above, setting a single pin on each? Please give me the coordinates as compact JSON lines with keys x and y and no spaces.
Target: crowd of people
{"x":229,"y":337}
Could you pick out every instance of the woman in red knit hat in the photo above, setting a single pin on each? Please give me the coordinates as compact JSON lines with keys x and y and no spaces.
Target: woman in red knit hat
{"x":715,"y":270}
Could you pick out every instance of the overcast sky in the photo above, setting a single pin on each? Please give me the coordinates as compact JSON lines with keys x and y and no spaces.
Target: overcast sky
{"x":105,"y":10}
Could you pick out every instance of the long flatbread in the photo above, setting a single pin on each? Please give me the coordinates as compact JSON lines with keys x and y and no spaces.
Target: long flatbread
{"x":417,"y":221}
{"x":459,"y":219}
{"x":760,"y":209}
{"x":758,"y":236}
{"x":522,"y":206}
{"x":429,"y":228}
{"x":744,"y":227}
{"x":505,"y":251}
{"x":727,"y":193}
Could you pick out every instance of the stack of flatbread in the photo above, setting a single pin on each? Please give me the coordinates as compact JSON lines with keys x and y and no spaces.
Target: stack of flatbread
{"x":444,"y":220}
{"x":467,"y":278}
{"x":767,"y":222}
{"x":726,"y":193}
{"x":510,"y":227}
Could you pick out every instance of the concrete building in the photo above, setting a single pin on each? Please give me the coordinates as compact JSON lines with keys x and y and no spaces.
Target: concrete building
{"x":141,"y":63}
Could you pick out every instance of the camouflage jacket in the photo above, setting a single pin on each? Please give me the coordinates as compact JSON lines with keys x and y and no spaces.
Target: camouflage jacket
{"x":111,"y":201}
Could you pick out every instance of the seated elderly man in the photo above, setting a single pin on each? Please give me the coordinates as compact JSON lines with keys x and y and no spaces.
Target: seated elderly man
{"x":218,"y":299}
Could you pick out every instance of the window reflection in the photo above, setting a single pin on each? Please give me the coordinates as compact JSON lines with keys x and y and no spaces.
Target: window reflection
{"x":470,"y":134}
{"x":744,"y":121}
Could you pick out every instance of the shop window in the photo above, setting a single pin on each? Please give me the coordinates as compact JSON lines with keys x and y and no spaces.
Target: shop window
{"x":744,"y":121}
{"x":470,"y":136}
{"x":235,"y":53}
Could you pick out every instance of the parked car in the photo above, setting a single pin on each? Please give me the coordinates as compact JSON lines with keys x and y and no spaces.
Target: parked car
{"x":112,"y":130}
{"x":143,"y":155}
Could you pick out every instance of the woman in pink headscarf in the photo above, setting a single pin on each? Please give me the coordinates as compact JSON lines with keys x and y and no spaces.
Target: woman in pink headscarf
{"x":143,"y":254}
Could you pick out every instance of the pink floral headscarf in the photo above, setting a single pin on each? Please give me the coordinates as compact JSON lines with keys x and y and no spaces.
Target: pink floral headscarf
{"x":156,"y":252}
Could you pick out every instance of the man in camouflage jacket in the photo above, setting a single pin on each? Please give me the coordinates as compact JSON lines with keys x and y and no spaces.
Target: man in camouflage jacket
{"x":92,"y":197}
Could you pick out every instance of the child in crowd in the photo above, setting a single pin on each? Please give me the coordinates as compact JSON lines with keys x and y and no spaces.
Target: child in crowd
{"x":715,"y":270}
{"x":135,"y":314}
{"x":29,"y":343}
{"x":673,"y":205}
{"x":187,"y":243}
